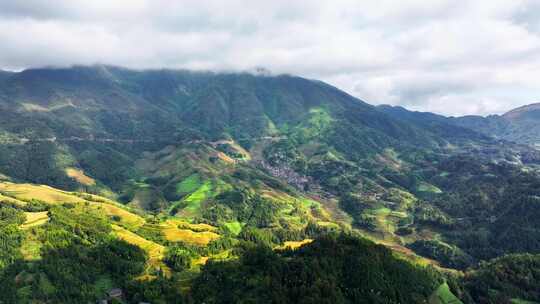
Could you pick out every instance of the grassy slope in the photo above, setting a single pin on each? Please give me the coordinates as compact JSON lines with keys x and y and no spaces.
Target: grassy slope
{"x":189,"y":185}
{"x":234,"y":227}
{"x":443,"y":295}
{"x":194,"y":200}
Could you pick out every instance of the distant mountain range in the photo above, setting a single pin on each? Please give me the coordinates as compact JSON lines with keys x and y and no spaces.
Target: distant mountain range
{"x":520,"y":125}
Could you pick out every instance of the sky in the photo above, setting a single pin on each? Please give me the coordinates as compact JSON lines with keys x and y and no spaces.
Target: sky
{"x":445,"y":56}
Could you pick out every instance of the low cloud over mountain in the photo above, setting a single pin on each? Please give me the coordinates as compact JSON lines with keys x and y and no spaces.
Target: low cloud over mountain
{"x":465,"y":57}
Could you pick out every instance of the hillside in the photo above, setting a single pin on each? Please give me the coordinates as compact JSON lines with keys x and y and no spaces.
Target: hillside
{"x":69,"y":246}
{"x":214,"y":105}
{"x":73,"y":117}
{"x":178,"y":168}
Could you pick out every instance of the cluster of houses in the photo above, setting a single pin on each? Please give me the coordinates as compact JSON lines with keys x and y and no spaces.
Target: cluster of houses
{"x":287,"y":174}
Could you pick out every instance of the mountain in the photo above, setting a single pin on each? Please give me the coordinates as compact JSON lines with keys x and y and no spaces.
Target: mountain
{"x":524,"y":124}
{"x":118,"y":126}
{"x":152,"y":109}
{"x":216,"y":105}
{"x":520,"y":125}
{"x":517,"y":126}
{"x":4,"y":74}
{"x":441,"y":125}
{"x":184,"y":178}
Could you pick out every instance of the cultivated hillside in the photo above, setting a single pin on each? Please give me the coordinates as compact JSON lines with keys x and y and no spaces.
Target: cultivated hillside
{"x":193,"y":166}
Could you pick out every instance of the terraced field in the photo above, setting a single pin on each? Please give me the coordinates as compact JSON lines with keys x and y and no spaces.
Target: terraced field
{"x":294,"y":244}
{"x":35,"y":219}
{"x":80,"y":177}
{"x":189,"y":185}
{"x":194,"y":200}
{"x":191,"y":204}
{"x":155,"y":251}
{"x":27,"y":192}
{"x":11,"y":200}
{"x":181,"y":231}
{"x":124,"y":221}
{"x":122,"y":216}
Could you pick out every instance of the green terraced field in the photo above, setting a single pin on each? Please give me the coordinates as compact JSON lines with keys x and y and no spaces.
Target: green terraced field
{"x":190,"y":184}
{"x":194,"y":200}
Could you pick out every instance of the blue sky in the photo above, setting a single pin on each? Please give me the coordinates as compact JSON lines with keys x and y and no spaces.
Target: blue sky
{"x":446,"y":56}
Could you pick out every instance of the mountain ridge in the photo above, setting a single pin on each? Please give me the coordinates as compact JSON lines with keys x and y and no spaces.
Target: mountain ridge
{"x":515,"y":113}
{"x":519,"y":125}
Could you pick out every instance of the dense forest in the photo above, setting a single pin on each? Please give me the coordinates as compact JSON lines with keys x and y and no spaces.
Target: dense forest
{"x":332,"y":269}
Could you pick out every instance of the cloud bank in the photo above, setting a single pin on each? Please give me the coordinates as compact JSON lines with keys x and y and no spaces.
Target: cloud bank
{"x":446,"y":56}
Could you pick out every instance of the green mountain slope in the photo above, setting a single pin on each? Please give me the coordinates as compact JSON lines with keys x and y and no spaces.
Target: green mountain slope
{"x":192,"y":166}
{"x":63,"y":252}
{"x":438,"y":124}
{"x":81,"y":114}
{"x":512,"y":279}
{"x":214,"y":104}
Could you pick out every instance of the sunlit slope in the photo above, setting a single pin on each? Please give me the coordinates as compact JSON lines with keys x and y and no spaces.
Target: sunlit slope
{"x":121,"y":216}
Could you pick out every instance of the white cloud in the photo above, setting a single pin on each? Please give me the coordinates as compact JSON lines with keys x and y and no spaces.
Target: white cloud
{"x":452,"y":57}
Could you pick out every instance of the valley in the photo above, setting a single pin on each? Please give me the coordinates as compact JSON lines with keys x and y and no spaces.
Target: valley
{"x":209,"y":193}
